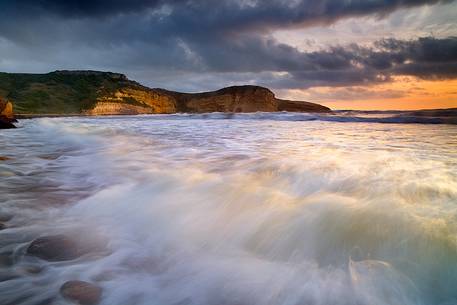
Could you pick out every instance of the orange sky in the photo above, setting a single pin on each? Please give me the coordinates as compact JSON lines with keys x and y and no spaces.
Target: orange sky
{"x":404,"y":93}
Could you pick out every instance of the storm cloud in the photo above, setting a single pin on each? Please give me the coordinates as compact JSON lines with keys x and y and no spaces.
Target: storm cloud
{"x":231,"y":41}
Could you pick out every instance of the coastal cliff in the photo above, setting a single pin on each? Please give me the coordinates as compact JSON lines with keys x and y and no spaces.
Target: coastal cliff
{"x":106,"y":93}
{"x":230,"y":99}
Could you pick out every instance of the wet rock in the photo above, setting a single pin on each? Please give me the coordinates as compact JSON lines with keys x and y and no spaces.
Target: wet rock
{"x":6,"y":123}
{"x":2,"y":226}
{"x":57,"y":248}
{"x":6,"y":259}
{"x":31,"y":269}
{"x":105,"y":276}
{"x":5,"y":217}
{"x":81,"y":292}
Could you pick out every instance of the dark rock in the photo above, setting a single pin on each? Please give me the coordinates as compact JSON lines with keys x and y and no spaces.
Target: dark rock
{"x":5,"y":217}
{"x":6,"y":259}
{"x":80,"y":292}
{"x":6,"y":123}
{"x":57,"y":248}
{"x":32,"y":269}
{"x":2,"y":226}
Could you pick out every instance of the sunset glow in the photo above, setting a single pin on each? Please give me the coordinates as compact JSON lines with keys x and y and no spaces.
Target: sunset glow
{"x":403,"y":93}
{"x":344,"y":54}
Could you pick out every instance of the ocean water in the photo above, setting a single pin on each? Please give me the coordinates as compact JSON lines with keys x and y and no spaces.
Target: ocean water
{"x":355,"y":208}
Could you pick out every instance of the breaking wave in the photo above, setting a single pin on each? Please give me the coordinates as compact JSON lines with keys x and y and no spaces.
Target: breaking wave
{"x":261,"y":209}
{"x":445,"y":116}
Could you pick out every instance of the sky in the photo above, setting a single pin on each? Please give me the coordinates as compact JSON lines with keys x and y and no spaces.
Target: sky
{"x":346,"y":54}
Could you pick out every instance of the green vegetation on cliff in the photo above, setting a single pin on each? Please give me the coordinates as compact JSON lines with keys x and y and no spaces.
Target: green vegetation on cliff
{"x":61,"y":91}
{"x":98,"y":93}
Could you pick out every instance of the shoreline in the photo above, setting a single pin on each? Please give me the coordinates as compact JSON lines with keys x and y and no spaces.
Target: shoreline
{"x":33,"y":116}
{"x":22,"y":116}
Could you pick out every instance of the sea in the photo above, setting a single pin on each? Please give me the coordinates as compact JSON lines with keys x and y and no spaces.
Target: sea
{"x":348,"y":208}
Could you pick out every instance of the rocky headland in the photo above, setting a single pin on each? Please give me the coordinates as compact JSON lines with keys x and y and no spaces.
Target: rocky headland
{"x":106,"y":93}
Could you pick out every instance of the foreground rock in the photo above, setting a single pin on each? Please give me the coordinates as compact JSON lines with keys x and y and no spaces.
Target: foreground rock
{"x":6,"y":124}
{"x":6,"y":115}
{"x":58,"y":248}
{"x":80,"y":292}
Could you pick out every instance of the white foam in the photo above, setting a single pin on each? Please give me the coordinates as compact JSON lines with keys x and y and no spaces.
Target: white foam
{"x":244,"y":211}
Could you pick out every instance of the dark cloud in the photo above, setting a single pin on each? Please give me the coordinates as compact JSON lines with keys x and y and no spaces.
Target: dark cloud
{"x":78,"y":8}
{"x":427,"y":58}
{"x":230,"y":41}
{"x":224,"y":13}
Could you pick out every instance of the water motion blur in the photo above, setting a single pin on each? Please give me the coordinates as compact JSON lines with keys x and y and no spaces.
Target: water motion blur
{"x":277,"y":208}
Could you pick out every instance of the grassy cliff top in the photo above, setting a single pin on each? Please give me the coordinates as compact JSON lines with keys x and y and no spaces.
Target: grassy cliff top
{"x":60,"y":92}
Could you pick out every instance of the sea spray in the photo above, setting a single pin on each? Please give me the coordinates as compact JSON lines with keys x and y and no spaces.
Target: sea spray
{"x":241,"y":210}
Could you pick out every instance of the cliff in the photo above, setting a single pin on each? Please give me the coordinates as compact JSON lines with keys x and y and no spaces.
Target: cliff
{"x":230,"y":99}
{"x":100,"y":93}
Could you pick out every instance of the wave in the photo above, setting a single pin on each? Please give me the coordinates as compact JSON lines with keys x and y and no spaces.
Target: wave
{"x":445,"y":116}
{"x":205,"y":211}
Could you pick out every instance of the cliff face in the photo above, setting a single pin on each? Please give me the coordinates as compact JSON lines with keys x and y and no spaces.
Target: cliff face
{"x":133,"y":101}
{"x":238,"y":99}
{"x":112,"y":108}
{"x":230,"y":99}
{"x":99,"y":93}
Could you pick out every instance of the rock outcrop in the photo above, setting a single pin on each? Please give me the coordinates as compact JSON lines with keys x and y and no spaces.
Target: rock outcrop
{"x":106,"y":93}
{"x":61,"y":247}
{"x":6,"y":114}
{"x":6,"y":109}
{"x":6,"y":124}
{"x":81,"y":292}
{"x":300,"y":106}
